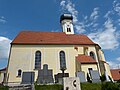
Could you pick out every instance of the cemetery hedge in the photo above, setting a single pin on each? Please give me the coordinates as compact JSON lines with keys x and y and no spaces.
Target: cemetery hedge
{"x":49,"y":87}
{"x":3,"y":87}
{"x":84,"y":86}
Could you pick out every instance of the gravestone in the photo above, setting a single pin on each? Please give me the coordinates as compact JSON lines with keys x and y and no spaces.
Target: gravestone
{"x":28,"y":78}
{"x":45,"y":75}
{"x":71,"y":83}
{"x":59,"y":77}
{"x":95,"y":76}
{"x":81,"y":75}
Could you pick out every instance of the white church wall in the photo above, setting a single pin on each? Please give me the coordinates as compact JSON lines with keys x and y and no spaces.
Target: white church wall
{"x":23,"y":57}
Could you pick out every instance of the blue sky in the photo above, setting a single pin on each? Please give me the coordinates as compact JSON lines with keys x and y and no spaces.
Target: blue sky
{"x":99,"y":20}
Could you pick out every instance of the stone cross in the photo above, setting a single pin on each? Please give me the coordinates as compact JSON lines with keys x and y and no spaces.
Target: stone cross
{"x":45,"y":75}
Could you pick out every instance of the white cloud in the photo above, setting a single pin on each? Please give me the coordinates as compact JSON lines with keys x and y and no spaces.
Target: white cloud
{"x":118,"y":59}
{"x":108,"y":14}
{"x":94,"y":15}
{"x":4,"y":47}
{"x":116,"y":6}
{"x":55,"y":31}
{"x":107,"y":38}
{"x":106,"y":35}
{"x":2,"y":19}
{"x":113,"y":65}
{"x":70,"y":7}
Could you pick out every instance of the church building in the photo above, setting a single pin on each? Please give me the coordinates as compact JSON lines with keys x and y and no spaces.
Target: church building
{"x":61,"y":52}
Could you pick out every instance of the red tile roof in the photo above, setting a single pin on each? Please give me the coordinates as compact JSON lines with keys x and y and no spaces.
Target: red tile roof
{"x":115,"y":74}
{"x":83,"y":59}
{"x":32,"y":38}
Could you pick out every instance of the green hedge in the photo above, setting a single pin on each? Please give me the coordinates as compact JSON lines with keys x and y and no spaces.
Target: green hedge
{"x":110,"y":86}
{"x":4,"y":88}
{"x":49,"y":87}
{"x":90,"y":86}
{"x":84,"y":86}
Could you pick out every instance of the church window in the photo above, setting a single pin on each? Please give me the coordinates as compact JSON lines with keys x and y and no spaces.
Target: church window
{"x":62,"y":60}
{"x":68,"y":30}
{"x":85,"y":50}
{"x":38,"y":60}
{"x":19,"y":72}
{"x":92,"y":55}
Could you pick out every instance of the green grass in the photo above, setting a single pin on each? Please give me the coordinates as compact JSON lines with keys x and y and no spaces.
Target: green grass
{"x":84,"y":86}
{"x":90,"y":86}
{"x":4,"y":88}
{"x":49,"y":87}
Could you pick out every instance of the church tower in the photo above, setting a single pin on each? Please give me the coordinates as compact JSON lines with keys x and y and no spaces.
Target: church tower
{"x":67,"y":23}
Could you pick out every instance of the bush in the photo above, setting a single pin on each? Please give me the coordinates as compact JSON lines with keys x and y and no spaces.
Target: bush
{"x":4,"y":87}
{"x":49,"y":87}
{"x":84,"y":86}
{"x":118,"y":81}
{"x":90,"y":86}
{"x":110,"y":86}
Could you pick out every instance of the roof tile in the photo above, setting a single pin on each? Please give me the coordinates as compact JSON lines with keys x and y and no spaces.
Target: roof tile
{"x":115,"y":74}
{"x":83,"y":59}
{"x":30,"y":37}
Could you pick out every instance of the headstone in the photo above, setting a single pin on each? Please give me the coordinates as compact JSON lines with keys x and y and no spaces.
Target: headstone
{"x":45,"y":75}
{"x":81,"y":76}
{"x":71,"y":83}
{"x":95,"y":76}
{"x":59,"y":77}
{"x":28,"y":78}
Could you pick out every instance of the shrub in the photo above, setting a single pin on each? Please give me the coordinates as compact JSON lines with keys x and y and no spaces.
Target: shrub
{"x":49,"y":87}
{"x":110,"y":86}
{"x":90,"y":86}
{"x":4,"y":87}
{"x":118,"y":81}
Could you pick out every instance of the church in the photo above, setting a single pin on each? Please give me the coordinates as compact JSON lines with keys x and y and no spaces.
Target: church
{"x":62,"y":53}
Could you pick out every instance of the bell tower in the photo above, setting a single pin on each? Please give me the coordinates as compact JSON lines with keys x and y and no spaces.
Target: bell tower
{"x":67,"y":23}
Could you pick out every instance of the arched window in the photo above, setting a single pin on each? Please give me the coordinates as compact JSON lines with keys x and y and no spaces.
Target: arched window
{"x":92,"y":55}
{"x":38,"y":60}
{"x":62,"y":60}
{"x":19,"y":72}
{"x":68,"y":30}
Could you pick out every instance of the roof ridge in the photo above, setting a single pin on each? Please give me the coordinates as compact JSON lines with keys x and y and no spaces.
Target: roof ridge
{"x":36,"y":37}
